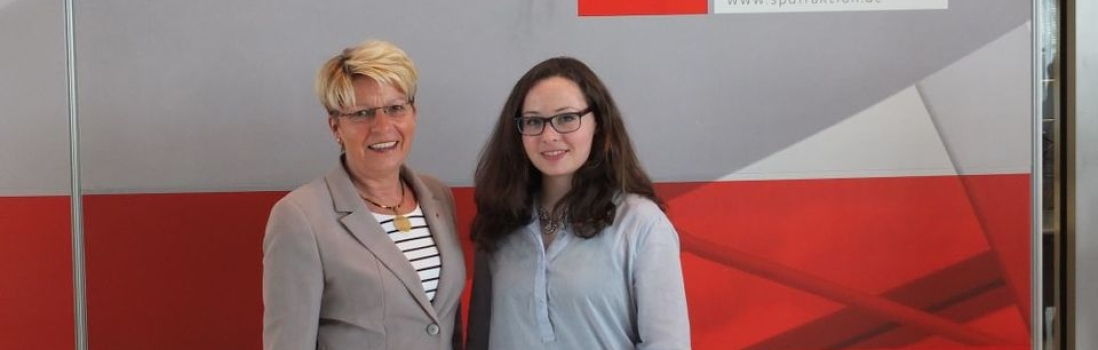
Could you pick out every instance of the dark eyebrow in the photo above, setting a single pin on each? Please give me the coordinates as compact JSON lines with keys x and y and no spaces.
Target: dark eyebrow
{"x":559,"y":111}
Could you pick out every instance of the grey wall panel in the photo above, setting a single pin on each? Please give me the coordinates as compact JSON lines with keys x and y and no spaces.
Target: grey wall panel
{"x":34,"y":123}
{"x":216,"y":95}
{"x":1086,"y":170}
{"x":982,"y":107}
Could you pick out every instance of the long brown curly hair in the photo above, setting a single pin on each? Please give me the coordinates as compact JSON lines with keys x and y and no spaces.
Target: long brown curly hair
{"x":506,"y":182}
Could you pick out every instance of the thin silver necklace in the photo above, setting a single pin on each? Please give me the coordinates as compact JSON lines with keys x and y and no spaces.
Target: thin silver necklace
{"x":550,"y":223}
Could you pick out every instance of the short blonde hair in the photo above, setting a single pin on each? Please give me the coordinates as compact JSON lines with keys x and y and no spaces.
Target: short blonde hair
{"x":378,"y":60}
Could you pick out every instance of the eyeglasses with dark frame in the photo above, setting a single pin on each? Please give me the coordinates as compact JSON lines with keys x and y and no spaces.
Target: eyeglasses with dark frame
{"x":563,"y":123}
{"x":395,"y":110}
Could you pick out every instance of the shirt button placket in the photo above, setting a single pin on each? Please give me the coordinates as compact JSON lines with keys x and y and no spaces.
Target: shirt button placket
{"x":541,"y":297}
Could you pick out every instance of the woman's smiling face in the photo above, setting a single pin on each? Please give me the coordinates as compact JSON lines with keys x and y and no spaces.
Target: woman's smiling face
{"x":555,"y":154}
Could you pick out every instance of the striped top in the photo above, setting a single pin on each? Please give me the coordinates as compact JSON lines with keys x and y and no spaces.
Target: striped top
{"x":418,"y":246}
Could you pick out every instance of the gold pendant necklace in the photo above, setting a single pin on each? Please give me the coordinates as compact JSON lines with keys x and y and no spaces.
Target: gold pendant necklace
{"x":400,"y":221}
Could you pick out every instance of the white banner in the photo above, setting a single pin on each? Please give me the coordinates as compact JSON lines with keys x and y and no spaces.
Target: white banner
{"x":772,"y":6}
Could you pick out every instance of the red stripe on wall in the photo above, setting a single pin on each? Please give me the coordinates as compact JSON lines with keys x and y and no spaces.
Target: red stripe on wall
{"x":36,"y":300}
{"x":466,"y":209}
{"x":1006,"y":224}
{"x":963,"y":292}
{"x":175,"y":271}
{"x":867,"y":236}
{"x":642,"y":7}
{"x":183,"y":271}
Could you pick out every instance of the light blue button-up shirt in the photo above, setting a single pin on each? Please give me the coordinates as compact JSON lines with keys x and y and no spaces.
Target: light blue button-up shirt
{"x":622,"y":289}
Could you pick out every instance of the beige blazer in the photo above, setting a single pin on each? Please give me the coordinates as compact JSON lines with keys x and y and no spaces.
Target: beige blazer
{"x":334,"y":280}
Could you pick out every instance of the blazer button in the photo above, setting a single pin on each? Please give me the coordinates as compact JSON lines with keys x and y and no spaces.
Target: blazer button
{"x":432,"y":329}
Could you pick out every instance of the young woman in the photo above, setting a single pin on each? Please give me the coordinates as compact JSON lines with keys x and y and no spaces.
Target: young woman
{"x":574,"y":250}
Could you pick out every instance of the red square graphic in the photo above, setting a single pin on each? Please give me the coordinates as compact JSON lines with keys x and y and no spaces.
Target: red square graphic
{"x":642,"y":7}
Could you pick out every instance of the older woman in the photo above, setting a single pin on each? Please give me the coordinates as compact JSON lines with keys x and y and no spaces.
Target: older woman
{"x":575,"y":251}
{"x":366,"y":256}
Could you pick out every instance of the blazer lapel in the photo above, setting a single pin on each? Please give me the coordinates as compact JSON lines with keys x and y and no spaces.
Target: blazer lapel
{"x":360,"y":222}
{"x":443,"y":231}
